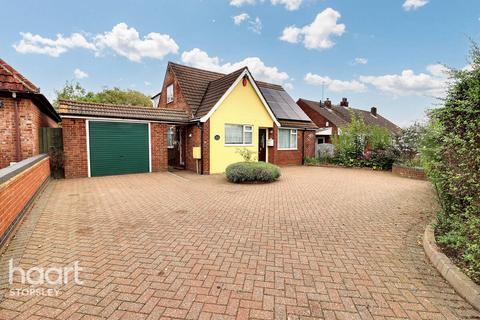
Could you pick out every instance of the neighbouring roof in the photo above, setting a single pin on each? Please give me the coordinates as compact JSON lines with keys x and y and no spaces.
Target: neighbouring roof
{"x":104,"y":110}
{"x":203,"y":89}
{"x":341,"y":116}
{"x":11,"y":81}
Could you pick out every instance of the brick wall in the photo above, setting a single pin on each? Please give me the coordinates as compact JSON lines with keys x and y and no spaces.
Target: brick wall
{"x":179,"y":101}
{"x":412,"y":173}
{"x":159,"y":146}
{"x":74,"y":148}
{"x":291,"y":157}
{"x":16,"y":193}
{"x":31,"y":119}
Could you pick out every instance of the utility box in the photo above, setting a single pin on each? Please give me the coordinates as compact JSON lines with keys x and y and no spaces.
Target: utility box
{"x":197,"y":154}
{"x":270,"y":143}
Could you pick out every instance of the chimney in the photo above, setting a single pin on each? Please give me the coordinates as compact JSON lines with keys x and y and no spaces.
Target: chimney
{"x":373,"y":111}
{"x":344,"y":102}
{"x":328,"y":103}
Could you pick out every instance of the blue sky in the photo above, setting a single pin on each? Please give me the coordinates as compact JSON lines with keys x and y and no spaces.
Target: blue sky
{"x":375,"y":52}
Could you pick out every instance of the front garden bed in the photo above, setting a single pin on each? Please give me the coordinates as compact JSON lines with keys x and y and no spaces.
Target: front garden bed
{"x":409,"y":172}
{"x":252,"y":172}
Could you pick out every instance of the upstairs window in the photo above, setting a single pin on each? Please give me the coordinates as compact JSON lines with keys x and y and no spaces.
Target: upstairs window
{"x":238,"y":134}
{"x":170,"y":93}
{"x":287,"y":139}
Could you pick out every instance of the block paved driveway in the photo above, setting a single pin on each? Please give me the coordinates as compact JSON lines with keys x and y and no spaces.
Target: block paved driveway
{"x":321,"y":243}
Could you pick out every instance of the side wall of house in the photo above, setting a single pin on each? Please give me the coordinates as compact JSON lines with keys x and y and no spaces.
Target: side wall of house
{"x":318,"y":119}
{"x":179,"y":102}
{"x":31,"y":119}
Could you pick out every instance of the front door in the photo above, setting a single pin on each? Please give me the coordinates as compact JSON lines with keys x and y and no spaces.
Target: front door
{"x":262,"y":145}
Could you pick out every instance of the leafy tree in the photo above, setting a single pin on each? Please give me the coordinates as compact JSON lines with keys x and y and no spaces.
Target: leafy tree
{"x":451,"y":153}
{"x":74,"y":91}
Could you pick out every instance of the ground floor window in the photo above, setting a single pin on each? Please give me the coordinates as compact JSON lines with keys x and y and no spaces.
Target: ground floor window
{"x":238,"y":134}
{"x":287,"y":139}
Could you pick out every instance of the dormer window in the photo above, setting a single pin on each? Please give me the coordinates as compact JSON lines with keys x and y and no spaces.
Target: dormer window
{"x":170,"y":93}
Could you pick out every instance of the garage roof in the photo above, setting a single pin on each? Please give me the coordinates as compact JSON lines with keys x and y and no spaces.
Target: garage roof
{"x":118,"y":111}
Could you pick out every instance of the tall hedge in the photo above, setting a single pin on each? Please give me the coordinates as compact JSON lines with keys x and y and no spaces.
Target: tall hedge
{"x":452,"y":160}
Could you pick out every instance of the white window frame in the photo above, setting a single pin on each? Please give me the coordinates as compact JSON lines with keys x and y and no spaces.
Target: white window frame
{"x":293,"y":132}
{"x":170,"y":96}
{"x":244,"y":129}
{"x":170,"y":132}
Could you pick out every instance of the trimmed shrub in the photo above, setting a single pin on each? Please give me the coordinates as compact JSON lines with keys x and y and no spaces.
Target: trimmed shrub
{"x":252,"y":172}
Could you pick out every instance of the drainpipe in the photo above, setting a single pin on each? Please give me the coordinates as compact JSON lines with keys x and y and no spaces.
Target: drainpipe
{"x":303,"y":147}
{"x":201,"y":147}
{"x":17,"y":128}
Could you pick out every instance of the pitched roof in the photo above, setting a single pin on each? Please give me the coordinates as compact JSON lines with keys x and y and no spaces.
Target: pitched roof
{"x":341,"y":116}
{"x":203,"y":89}
{"x":12,"y":80}
{"x":215,"y":90}
{"x":88,"y":109}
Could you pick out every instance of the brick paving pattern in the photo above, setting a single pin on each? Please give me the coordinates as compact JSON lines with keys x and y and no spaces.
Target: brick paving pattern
{"x":322,"y":243}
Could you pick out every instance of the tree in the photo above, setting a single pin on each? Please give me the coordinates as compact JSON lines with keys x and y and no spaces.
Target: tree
{"x":74,"y":91}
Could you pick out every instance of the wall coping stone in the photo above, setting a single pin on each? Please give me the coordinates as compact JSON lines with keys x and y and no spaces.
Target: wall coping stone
{"x":13,"y":170}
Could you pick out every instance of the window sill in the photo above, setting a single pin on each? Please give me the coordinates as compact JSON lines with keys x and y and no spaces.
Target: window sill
{"x":239,"y":145}
{"x":287,"y":149}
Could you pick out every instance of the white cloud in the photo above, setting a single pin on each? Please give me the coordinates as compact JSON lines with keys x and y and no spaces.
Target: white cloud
{"x":316,"y":35}
{"x":123,"y":40}
{"x":238,"y":19}
{"x":239,"y":3}
{"x":200,"y":59}
{"x":79,"y":74}
{"x":413,"y":4}
{"x":126,"y":42}
{"x":288,"y":86}
{"x":147,"y":83}
{"x":290,"y":5}
{"x":335,"y":85}
{"x":34,"y":43}
{"x":360,"y":61}
{"x":432,"y":83}
{"x":255,"y":25}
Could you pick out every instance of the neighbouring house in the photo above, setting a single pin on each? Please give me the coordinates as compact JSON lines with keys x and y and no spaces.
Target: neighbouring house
{"x":331,"y":118}
{"x":23,"y":111}
{"x":202,"y":120}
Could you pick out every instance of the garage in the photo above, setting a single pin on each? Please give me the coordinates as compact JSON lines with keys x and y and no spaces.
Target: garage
{"x":118,"y":148}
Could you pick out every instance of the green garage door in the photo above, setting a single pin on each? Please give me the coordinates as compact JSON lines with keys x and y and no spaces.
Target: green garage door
{"x":118,"y":148}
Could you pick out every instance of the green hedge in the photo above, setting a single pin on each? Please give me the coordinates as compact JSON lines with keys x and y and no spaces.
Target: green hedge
{"x":451,"y":157}
{"x":252,"y":172}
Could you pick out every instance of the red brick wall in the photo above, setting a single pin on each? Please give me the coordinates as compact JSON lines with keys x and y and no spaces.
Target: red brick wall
{"x":291,"y":157}
{"x":179,"y":101}
{"x":75,"y":148}
{"x":16,"y":192}
{"x":31,"y":119}
{"x":158,"y":140}
{"x":412,"y":173}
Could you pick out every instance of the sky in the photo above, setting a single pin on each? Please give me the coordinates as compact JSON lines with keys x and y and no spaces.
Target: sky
{"x":389,"y":54}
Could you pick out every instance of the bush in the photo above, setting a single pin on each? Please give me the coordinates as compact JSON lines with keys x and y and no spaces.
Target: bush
{"x":360,"y":145}
{"x":451,"y":157}
{"x":252,"y":172}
